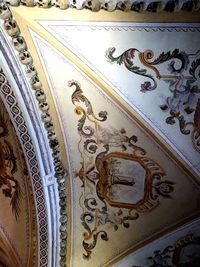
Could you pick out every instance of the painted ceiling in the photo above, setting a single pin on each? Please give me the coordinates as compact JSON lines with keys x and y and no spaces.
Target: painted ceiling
{"x":17,"y":212}
{"x":123,"y":92}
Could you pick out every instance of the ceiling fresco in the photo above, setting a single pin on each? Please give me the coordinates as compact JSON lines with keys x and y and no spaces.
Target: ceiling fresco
{"x":121,"y":180}
{"x":124,"y":98}
{"x":158,"y":77}
{"x":17,"y":207}
{"x":180,"y":248}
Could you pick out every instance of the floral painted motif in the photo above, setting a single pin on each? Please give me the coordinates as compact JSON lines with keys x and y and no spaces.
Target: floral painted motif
{"x":183,"y":78}
{"x":8,"y":167}
{"x":119,"y":182}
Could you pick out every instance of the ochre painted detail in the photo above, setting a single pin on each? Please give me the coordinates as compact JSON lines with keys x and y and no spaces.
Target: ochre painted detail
{"x":183,"y":84}
{"x":119,"y":181}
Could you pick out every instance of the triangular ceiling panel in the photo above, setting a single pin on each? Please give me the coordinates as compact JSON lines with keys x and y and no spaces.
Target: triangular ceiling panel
{"x":143,"y":62}
{"x":121,"y":180}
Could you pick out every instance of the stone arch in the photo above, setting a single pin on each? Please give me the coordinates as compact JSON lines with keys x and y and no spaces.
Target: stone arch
{"x":25,"y":116}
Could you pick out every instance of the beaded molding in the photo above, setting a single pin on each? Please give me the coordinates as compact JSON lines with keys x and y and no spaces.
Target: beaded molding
{"x":26,"y":59}
{"x":111,"y":5}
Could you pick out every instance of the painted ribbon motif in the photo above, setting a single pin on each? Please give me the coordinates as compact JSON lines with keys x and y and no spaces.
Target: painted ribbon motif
{"x":118,"y":181}
{"x":183,"y":78}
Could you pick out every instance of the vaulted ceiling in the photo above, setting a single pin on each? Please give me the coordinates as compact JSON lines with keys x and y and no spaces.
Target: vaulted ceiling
{"x":111,"y":102}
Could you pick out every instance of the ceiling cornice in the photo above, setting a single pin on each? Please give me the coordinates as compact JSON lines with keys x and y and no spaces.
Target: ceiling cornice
{"x":112,"y":5}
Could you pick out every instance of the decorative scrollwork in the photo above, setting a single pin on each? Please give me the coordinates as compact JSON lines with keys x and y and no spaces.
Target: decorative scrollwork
{"x":127,"y":58}
{"x":183,"y":88}
{"x":105,"y":174}
{"x":90,"y":246}
{"x":92,"y":146}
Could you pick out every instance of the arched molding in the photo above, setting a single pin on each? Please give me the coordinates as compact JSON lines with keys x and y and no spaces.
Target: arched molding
{"x":16,"y":45}
{"x":21,"y":105}
{"x":19,"y":122}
